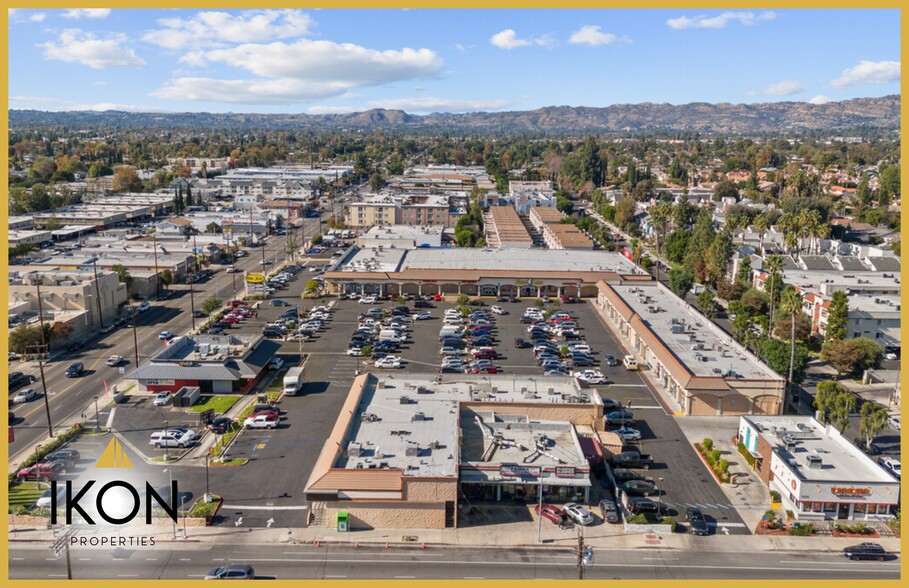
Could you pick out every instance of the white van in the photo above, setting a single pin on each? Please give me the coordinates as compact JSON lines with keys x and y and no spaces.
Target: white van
{"x":450,"y":331}
{"x":170,"y":439}
{"x":391,"y":335}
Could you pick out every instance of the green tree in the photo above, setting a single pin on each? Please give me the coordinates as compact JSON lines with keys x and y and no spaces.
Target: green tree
{"x":313,"y":285}
{"x":873,"y":421}
{"x":376,"y":182}
{"x":624,"y":212}
{"x":564,"y":205}
{"x":729,"y":291}
{"x":212,"y":227}
{"x":592,"y":164}
{"x":702,"y":237}
{"x":773,"y":264}
{"x":783,"y":327}
{"x":681,"y":279}
{"x":166,"y":278}
{"x":837,"y":317}
{"x":725,"y":189}
{"x":42,"y":169}
{"x":778,"y":356}
{"x":677,"y":245}
{"x":123,"y":275}
{"x":24,"y":337}
{"x":718,"y":255}
{"x":852,"y":356}
{"x":743,"y":275}
{"x":706,"y":303}
{"x":98,"y":170}
{"x":210,"y":305}
{"x":791,"y":304}
{"x":126,"y":180}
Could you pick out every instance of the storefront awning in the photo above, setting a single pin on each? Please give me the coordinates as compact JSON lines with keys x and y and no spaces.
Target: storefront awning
{"x":494,"y":477}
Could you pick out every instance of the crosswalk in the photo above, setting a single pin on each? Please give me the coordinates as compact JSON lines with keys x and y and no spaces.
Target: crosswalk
{"x":342,"y":374}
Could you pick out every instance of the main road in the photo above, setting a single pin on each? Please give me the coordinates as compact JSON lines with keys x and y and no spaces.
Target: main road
{"x":287,"y":561}
{"x":70,"y":398}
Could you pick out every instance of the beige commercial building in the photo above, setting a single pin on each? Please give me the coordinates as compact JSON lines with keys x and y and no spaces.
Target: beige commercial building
{"x":505,"y":230}
{"x":540,"y":216}
{"x":701,"y":368}
{"x":409,"y":451}
{"x":375,"y":210}
{"x":565,"y":236}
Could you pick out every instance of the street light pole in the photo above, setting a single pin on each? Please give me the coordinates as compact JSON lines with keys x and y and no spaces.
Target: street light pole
{"x":157,"y":278}
{"x":97,"y":416}
{"x":135,"y":337}
{"x":660,"y":497}
{"x":192,"y":300}
{"x":98,"y":293}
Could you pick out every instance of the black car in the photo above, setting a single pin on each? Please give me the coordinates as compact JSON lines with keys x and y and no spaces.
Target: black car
{"x":456,"y":342}
{"x":483,"y":341}
{"x":220,"y":425}
{"x":422,"y":304}
{"x":520,"y":343}
{"x":610,"y":405}
{"x":222,"y":325}
{"x":18,"y":379}
{"x":866,"y":551}
{"x":611,"y":360}
{"x":625,"y":475}
{"x":198,"y":314}
{"x":75,"y":370}
{"x":696,"y":521}
{"x":63,"y":455}
{"x":645,"y":505}
{"x":527,"y":319}
{"x":582,"y":361}
{"x":272,"y":334}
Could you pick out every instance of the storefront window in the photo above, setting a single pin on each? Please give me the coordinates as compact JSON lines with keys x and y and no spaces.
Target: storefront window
{"x":817,"y":506}
{"x":829,"y":506}
{"x":883,"y":509}
{"x":859,"y":508}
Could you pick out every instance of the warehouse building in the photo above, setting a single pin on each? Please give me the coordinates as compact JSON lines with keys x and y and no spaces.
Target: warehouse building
{"x":410,"y":451}
{"x":695,"y":363}
{"x":818,"y":473}
{"x":527,"y":273}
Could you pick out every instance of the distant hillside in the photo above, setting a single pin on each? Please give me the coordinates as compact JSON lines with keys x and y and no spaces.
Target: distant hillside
{"x":697,"y":116}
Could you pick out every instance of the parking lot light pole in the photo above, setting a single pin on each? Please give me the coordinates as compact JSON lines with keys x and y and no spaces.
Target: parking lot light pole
{"x":540,"y":508}
{"x":135,"y":336}
{"x":97,"y":416}
{"x":44,"y":349}
{"x":660,"y":496}
{"x":38,"y":452}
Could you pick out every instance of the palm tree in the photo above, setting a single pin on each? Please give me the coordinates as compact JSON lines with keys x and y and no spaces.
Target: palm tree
{"x":809,"y":221}
{"x":660,"y":215}
{"x":823,"y":231}
{"x":791,"y":304}
{"x":762,"y":223}
{"x":773,"y":264}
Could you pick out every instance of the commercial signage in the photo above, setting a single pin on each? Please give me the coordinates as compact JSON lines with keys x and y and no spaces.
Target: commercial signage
{"x":519,"y":471}
{"x":528,"y":282}
{"x":255,"y":278}
{"x":564,"y":472}
{"x":849,"y":491}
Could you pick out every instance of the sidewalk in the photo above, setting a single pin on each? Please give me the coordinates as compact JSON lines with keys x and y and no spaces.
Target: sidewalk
{"x":515,"y":534}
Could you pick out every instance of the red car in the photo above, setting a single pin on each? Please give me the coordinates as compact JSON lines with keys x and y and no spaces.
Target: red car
{"x":269,"y":412}
{"x":437,"y":297}
{"x":553,"y":513}
{"x":41,"y":471}
{"x":484,"y":353}
{"x":486,"y":369}
{"x":230,"y":319}
{"x":236,"y":303}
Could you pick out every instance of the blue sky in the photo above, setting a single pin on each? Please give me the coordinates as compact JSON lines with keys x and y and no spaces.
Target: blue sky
{"x":321,"y":61}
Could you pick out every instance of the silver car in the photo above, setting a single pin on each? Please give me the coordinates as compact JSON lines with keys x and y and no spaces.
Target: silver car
{"x":578,"y":514}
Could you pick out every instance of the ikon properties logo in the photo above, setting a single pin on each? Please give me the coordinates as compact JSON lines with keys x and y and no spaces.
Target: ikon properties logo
{"x":116,"y":501}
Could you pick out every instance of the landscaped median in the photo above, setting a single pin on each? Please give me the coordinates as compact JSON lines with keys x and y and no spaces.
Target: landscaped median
{"x":649,"y":522}
{"x":226,"y":440}
{"x":712,"y":458}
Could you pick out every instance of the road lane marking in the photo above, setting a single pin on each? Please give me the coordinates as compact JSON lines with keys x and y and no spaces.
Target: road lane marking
{"x":257,"y":507}
{"x":330,"y":576}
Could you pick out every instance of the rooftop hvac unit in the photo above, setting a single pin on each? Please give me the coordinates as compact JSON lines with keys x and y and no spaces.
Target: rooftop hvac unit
{"x":434,"y":445}
{"x":551,"y":391}
{"x":377,"y":453}
{"x":418,"y":416}
{"x":678,"y":329}
{"x":404,"y":400}
{"x":354,"y":449}
{"x":815,"y":462}
{"x":529,"y":395}
{"x":412,"y":450}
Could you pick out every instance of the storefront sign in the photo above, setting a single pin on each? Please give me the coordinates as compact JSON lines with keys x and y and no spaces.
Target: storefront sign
{"x":518,"y":471}
{"x":564,"y":472}
{"x":255,"y":278}
{"x":528,"y":282}
{"x":849,"y":491}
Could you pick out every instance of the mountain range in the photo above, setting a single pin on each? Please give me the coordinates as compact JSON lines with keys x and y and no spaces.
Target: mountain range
{"x":702,"y":117}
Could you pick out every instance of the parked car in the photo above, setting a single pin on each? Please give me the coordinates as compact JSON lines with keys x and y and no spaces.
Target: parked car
{"x":624,"y":475}
{"x":620,"y":417}
{"x":865,"y":550}
{"x":891,"y":464}
{"x":25,"y":396}
{"x":64,"y":454}
{"x":628,"y":434}
{"x":609,"y":404}
{"x":498,"y":310}
{"x":645,"y":505}
{"x":590,"y":377}
{"x":389,"y":362}
{"x":367,"y":300}
{"x":220,"y":425}
{"x":638,"y":488}
{"x":610,"y":511}
{"x":42,"y":472}
{"x":261,"y":421}
{"x":630,"y":362}
{"x":170,"y":438}
{"x":894,"y":421}
{"x":278,"y":302}
{"x":549,"y":511}
{"x":578,"y":514}
{"x":44,"y":501}
{"x":422,"y":316}
{"x":696,"y":521}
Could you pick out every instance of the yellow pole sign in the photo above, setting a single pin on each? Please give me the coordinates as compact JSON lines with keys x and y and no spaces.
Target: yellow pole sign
{"x":255,"y":278}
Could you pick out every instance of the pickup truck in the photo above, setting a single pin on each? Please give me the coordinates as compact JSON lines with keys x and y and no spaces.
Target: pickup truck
{"x":632,"y":460}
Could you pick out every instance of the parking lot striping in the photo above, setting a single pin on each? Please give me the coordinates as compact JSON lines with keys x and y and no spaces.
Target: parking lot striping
{"x":259,"y":507}
{"x":330,"y":576}
{"x":737,"y":525}
{"x":151,"y":559}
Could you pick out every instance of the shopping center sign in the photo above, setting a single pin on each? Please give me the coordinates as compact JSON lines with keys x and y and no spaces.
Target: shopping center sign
{"x":519,"y":471}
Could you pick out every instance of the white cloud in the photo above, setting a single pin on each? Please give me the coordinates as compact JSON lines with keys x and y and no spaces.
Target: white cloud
{"x":37,"y":17}
{"x":76,"y":46}
{"x":719,"y":21}
{"x":328,"y":62}
{"x":785,"y":88}
{"x":330,"y":109}
{"x":819,"y":99}
{"x":508,"y":39}
{"x":33,"y":100}
{"x":869,"y":72}
{"x":591,"y":35}
{"x":460,"y":48}
{"x":255,"y":91}
{"x":76,"y":13}
{"x":214,"y":29}
{"x":439,"y":104}
{"x":113,"y":106}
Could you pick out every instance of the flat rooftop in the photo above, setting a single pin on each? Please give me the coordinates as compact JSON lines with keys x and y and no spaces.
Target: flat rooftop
{"x":531,"y":260}
{"x":696,"y":341}
{"x":411,"y":422}
{"x":375,"y":260}
{"x":841,"y":460}
{"x":875,"y":305}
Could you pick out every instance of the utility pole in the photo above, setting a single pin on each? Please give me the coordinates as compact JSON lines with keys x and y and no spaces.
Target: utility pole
{"x":192,"y":300}
{"x":44,"y":351}
{"x":97,"y":294}
{"x":135,"y":313}
{"x":585,"y":555}
{"x":157,"y":278}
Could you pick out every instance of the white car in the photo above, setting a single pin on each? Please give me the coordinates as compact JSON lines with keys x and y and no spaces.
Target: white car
{"x":354,"y":351}
{"x":578,"y":514}
{"x":260,"y":422}
{"x":422,"y":316}
{"x":297,"y":337}
{"x":498,"y":310}
{"x":894,"y":421}
{"x":114,"y":360}
{"x":453,"y":312}
{"x":891,"y":465}
{"x":389,"y":362}
{"x":276,"y":363}
{"x":162,"y":398}
{"x":590,"y":377}
{"x":165,"y":335}
{"x":367,"y":300}
{"x":25,"y":395}
{"x":890,"y":356}
{"x":44,"y":501}
{"x":628,"y":434}
{"x":583,"y":348}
